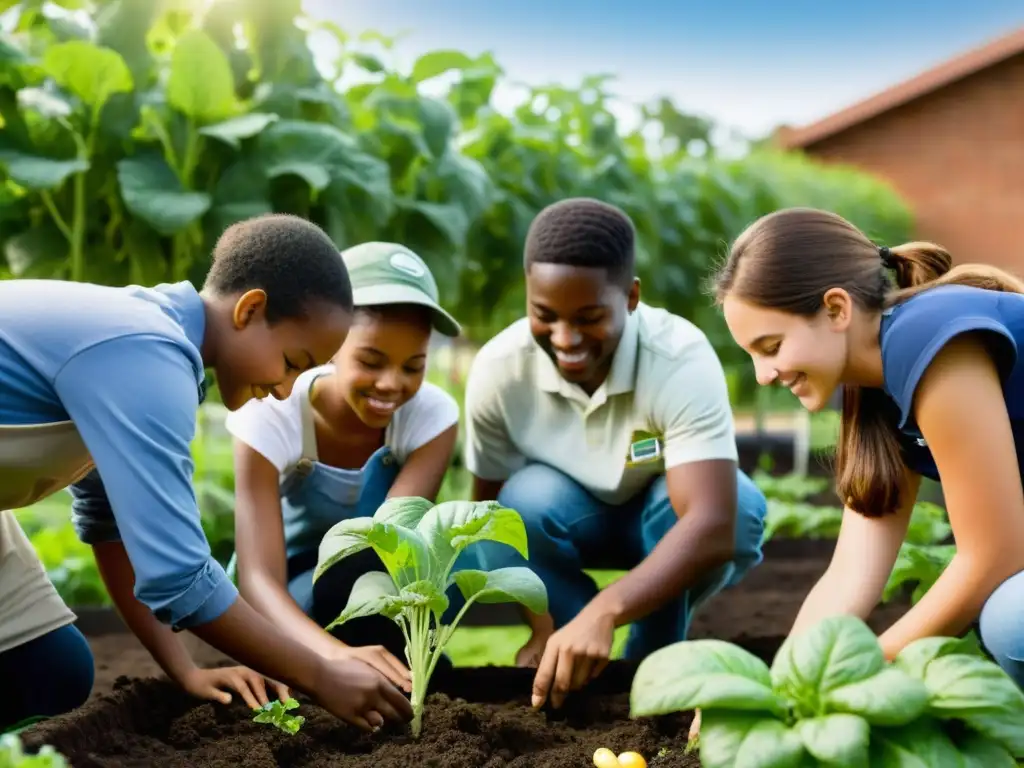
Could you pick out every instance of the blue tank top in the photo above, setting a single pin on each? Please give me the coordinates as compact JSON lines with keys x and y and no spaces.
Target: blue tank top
{"x":913,"y":332}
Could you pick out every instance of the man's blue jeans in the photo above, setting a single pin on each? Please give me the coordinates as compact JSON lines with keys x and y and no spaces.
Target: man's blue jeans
{"x":568,"y":530}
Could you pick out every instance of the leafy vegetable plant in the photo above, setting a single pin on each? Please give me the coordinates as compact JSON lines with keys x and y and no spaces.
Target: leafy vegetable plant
{"x":12,"y":755}
{"x":276,"y":713}
{"x":418,"y":543}
{"x":831,"y":699}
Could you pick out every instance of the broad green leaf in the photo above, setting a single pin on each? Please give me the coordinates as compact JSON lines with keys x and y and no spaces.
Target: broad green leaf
{"x":742,"y":740}
{"x":449,"y":219}
{"x":369,"y":62}
{"x":236,"y":129}
{"x":454,"y":525}
{"x":977,"y":751}
{"x":372,"y":593}
{"x":152,"y":191}
{"x":978,"y":692}
{"x":91,"y":72}
{"x":921,"y":744}
{"x":201,"y":85}
{"x":424,"y":593}
{"x":439,"y":121}
{"x":705,"y":674}
{"x":342,"y":540}
{"x":504,"y":585}
{"x":307,"y":150}
{"x":405,"y":554}
{"x":242,"y":192}
{"x":916,"y":656}
{"x":839,"y":739}
{"x":836,"y":651}
{"x":406,"y":511}
{"x":39,"y":252}
{"x":35,"y":172}
{"x":46,"y":102}
{"x":891,"y":697}
{"x":435,"y":63}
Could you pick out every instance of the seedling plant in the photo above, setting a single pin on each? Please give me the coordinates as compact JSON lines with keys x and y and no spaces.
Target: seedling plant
{"x":418,"y":543}
{"x":13,"y":756}
{"x":831,"y":699}
{"x":275,"y":713}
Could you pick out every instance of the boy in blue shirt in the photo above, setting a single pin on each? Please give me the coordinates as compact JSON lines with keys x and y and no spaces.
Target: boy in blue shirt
{"x":99,"y":390}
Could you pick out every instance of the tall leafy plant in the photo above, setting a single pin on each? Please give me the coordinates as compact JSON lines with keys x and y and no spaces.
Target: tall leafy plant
{"x":418,"y":544}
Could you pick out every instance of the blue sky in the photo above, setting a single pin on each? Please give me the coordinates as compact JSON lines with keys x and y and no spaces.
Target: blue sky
{"x":749,"y":64}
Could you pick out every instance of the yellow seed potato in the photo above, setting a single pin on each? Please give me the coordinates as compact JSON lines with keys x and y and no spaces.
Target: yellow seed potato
{"x":605,"y":758}
{"x":632,"y":760}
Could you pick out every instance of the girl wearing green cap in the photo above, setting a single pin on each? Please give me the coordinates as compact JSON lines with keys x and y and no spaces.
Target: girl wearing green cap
{"x":351,"y":434}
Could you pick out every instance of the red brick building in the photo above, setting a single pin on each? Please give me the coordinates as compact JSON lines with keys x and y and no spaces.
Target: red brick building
{"x":951,"y":142}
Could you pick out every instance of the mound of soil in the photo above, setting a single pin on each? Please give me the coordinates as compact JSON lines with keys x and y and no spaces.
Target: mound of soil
{"x":476,"y":718}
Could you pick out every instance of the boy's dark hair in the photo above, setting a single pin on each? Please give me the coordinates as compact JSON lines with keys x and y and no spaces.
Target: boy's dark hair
{"x":583,"y":232}
{"x":291,"y":259}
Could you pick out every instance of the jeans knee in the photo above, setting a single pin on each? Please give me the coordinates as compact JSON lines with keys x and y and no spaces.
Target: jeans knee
{"x":77,"y":670}
{"x":1002,"y":626}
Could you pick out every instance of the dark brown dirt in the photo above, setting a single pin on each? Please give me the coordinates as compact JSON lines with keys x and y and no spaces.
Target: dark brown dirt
{"x":476,"y":718}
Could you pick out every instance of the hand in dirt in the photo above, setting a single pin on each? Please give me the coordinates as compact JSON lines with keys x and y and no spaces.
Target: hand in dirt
{"x":358,"y":694}
{"x":381,"y":659}
{"x":216,"y":684}
{"x":573,"y":656}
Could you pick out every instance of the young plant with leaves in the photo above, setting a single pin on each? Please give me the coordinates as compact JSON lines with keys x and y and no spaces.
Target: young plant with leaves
{"x":418,"y":543}
{"x":830,"y":699}
{"x":275,"y":713}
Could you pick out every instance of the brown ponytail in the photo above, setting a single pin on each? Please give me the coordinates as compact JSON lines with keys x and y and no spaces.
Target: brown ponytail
{"x":787,"y":260}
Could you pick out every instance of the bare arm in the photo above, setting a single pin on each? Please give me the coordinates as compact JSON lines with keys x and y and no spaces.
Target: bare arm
{"x":423,"y":472}
{"x":974,"y":450}
{"x":159,"y":639}
{"x":259,"y":542}
{"x":703,"y":495}
{"x":862,"y":562}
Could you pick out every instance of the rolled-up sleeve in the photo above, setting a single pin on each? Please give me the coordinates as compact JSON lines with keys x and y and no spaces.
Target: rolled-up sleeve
{"x":134,"y":401}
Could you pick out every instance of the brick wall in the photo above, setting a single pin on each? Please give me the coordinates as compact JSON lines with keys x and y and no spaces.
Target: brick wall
{"x":957,"y":156}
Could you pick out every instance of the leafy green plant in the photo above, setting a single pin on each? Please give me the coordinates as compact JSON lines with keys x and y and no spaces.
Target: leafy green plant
{"x":276,"y":714}
{"x":920,"y":565}
{"x":830,"y":698}
{"x":13,"y":756}
{"x":793,"y":519}
{"x":418,"y":543}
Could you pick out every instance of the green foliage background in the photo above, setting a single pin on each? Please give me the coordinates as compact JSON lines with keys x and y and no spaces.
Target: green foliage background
{"x":135,"y":131}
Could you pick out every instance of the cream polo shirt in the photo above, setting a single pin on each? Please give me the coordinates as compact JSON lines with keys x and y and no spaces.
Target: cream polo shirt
{"x":665,"y":382}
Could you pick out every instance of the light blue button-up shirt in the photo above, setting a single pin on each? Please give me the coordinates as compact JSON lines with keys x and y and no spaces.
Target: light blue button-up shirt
{"x":124,"y":365}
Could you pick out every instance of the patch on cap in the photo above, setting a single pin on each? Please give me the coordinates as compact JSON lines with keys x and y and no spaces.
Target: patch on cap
{"x":403,"y":262}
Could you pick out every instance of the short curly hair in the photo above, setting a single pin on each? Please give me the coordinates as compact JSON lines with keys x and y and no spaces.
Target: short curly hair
{"x":290,"y":258}
{"x":583,"y":232}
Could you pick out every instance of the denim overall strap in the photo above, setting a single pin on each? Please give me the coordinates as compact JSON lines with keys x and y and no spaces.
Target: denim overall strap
{"x":309,"y":453}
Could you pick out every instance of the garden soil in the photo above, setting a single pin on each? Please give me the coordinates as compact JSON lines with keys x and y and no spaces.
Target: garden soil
{"x":475,"y":719}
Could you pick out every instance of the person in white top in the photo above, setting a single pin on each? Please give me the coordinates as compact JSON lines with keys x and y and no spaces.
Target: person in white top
{"x":606,"y":424}
{"x":351,"y":434}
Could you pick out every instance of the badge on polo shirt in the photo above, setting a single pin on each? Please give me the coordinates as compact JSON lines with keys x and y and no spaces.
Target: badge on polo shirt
{"x":644,"y":448}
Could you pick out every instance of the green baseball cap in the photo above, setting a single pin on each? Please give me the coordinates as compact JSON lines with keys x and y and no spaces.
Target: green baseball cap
{"x":387,"y":273}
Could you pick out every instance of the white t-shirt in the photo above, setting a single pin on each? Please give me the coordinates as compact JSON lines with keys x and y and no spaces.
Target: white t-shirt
{"x":273,"y":428}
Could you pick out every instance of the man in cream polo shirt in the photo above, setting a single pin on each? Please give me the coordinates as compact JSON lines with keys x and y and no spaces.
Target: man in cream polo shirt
{"x":606,"y":424}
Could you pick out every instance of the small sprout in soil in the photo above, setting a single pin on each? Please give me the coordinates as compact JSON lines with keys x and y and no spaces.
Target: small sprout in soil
{"x":831,"y":697}
{"x":276,"y":713}
{"x":13,"y":756}
{"x":418,"y":543}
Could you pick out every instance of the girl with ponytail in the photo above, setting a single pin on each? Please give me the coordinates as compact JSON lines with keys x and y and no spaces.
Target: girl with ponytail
{"x":931,"y":361}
